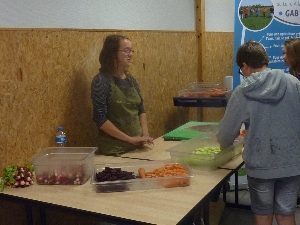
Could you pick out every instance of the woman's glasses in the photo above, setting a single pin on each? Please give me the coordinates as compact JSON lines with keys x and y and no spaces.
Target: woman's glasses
{"x":127,"y":50}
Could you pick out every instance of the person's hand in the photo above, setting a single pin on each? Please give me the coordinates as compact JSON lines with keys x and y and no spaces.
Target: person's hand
{"x":140,"y":140}
{"x":149,"y":140}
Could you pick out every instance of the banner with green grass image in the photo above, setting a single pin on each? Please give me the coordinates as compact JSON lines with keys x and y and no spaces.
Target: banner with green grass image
{"x":269,"y":22}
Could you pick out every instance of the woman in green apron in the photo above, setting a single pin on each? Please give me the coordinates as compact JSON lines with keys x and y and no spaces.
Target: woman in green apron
{"x":118,"y":108}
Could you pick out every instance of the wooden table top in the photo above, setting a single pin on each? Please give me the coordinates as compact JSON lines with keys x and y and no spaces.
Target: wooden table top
{"x":233,"y":163}
{"x":171,"y":204}
{"x":157,"y":151}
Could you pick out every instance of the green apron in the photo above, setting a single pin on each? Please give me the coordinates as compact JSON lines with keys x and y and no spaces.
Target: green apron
{"x":123,"y":113}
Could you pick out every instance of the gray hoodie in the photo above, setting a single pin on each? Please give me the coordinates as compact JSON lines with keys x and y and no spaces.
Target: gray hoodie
{"x":268,"y":103}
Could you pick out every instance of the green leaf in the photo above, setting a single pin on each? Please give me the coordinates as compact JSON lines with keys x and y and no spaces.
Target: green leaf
{"x":8,"y":175}
{"x":2,"y":184}
{"x":30,"y":167}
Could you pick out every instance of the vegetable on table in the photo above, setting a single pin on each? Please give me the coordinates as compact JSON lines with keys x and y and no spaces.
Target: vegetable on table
{"x":164,"y":171}
{"x":16,"y":176}
{"x":1,"y":184}
{"x":178,"y":171}
{"x":207,"y":150}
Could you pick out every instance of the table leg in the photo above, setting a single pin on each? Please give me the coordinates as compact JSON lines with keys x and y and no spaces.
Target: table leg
{"x":224,"y":192}
{"x":206,"y":213}
{"x":236,"y":188}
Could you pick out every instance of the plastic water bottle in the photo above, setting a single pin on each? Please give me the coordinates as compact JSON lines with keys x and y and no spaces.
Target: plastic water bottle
{"x":60,"y":137}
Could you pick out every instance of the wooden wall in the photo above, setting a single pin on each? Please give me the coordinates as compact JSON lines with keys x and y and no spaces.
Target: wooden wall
{"x":215,"y":54}
{"x":216,"y":64}
{"x":45,"y":78}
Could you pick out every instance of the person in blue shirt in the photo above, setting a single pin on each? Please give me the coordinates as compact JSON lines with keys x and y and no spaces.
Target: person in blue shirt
{"x":268,"y":102}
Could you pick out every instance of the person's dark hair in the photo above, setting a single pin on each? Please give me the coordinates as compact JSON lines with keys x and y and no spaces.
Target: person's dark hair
{"x":109,"y":53}
{"x":253,"y":54}
{"x":292,"y":47}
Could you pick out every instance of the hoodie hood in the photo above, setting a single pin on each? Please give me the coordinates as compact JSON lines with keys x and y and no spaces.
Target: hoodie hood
{"x":265,"y":86}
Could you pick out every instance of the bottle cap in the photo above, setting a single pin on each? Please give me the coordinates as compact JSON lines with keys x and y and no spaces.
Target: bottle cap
{"x":60,"y":128}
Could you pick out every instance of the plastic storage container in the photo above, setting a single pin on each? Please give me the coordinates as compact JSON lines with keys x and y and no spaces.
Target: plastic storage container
{"x":141,"y":183}
{"x":204,"y":153}
{"x":64,"y":165}
{"x":202,"y":90}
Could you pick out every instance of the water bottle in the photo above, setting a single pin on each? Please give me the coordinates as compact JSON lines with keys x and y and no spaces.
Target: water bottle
{"x":60,"y":137}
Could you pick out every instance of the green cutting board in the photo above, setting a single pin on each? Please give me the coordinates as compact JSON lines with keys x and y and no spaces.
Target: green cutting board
{"x":190,"y":130}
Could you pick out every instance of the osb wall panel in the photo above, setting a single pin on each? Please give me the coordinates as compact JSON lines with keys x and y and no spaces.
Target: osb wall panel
{"x":45,"y":78}
{"x":217,"y":63}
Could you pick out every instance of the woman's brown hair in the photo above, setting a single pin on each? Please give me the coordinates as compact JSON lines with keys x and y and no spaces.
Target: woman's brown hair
{"x":109,"y":53}
{"x":292,"y":47}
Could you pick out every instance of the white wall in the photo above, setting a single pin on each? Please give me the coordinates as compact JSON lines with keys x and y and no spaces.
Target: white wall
{"x":219,"y":15}
{"x":176,"y":15}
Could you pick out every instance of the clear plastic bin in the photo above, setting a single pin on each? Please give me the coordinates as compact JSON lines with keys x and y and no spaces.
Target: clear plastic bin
{"x":140,"y":183}
{"x":64,"y":165}
{"x":195,"y":154}
{"x":202,"y":90}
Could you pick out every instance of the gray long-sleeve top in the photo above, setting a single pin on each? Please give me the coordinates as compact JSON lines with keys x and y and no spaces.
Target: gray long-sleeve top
{"x":269,"y":103}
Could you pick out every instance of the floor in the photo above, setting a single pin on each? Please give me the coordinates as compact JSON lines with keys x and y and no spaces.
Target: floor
{"x":234,"y":216}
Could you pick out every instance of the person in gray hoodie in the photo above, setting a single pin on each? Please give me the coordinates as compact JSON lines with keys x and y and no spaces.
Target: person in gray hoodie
{"x":267,"y":102}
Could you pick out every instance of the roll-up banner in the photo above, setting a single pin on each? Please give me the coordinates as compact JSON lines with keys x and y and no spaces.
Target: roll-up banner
{"x":268,"y":22}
